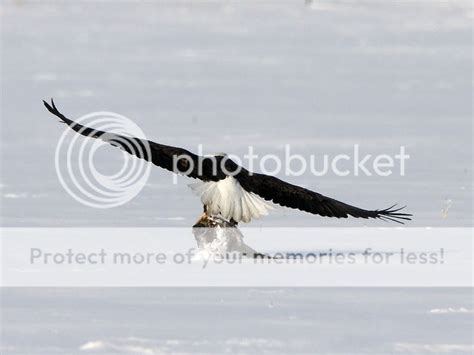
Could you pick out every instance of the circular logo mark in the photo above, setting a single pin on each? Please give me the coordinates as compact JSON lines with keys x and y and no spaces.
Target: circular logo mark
{"x":76,"y":167}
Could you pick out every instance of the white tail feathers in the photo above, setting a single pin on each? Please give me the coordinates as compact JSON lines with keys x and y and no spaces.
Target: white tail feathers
{"x":227,"y":198}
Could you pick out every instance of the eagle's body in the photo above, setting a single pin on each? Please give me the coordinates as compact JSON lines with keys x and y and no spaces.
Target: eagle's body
{"x":227,"y":189}
{"x":228,"y":199}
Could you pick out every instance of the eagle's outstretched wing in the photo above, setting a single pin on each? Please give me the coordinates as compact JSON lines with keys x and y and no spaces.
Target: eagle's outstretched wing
{"x":285,"y":194}
{"x":210,"y":169}
{"x":175,"y":159}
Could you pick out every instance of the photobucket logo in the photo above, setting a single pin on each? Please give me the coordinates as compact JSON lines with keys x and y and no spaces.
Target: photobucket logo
{"x":354,"y":163}
{"x":75,"y":166}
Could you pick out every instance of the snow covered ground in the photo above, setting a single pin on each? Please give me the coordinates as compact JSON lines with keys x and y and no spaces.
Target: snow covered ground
{"x":237,"y":320}
{"x":320,"y":76}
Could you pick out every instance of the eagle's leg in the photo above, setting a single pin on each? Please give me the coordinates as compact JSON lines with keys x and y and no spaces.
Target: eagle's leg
{"x":203,"y":220}
{"x":208,"y":221}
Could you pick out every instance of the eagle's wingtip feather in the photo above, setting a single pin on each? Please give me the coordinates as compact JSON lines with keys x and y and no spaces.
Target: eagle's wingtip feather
{"x":392,"y":214}
{"x":51,"y":107}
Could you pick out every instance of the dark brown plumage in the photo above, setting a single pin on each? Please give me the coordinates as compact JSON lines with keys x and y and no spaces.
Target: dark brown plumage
{"x":208,"y":168}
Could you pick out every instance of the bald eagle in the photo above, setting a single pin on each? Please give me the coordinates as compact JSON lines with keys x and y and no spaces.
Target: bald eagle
{"x":227,"y":189}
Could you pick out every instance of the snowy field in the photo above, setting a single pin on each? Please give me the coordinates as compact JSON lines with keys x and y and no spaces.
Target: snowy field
{"x":319,"y":76}
{"x":237,"y":320}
